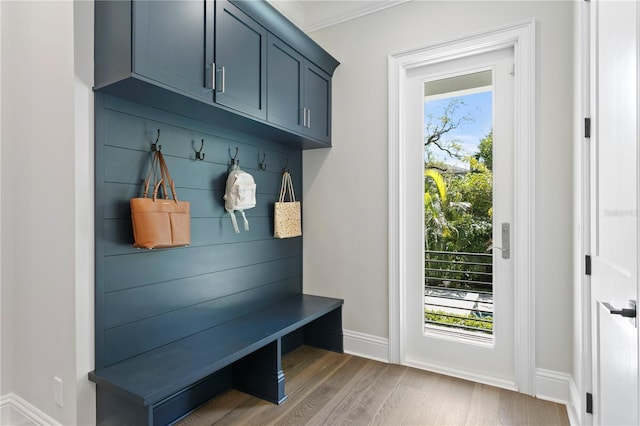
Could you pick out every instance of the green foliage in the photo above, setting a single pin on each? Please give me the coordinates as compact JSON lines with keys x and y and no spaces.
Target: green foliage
{"x":460,"y":218}
{"x":475,"y":225}
{"x":470,"y":320}
{"x":485,"y":151}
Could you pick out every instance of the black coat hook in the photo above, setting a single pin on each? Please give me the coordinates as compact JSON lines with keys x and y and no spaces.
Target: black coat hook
{"x":233,"y":159}
{"x":155,"y":146}
{"x":200,"y":154}
{"x":286,"y":163}
{"x":261,"y":163}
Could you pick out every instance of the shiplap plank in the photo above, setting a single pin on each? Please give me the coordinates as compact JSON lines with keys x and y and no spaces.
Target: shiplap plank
{"x":203,"y":203}
{"x":132,"y":167}
{"x":144,"y":302}
{"x":204,"y":231}
{"x":131,"y":132}
{"x":135,"y":126}
{"x":142,"y":336}
{"x":152,"y":266}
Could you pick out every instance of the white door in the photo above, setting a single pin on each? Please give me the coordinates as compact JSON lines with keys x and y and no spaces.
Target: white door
{"x":490,"y":361}
{"x":614,"y":211}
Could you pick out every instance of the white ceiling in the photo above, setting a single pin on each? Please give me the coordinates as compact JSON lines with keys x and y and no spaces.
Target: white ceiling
{"x":312,"y":15}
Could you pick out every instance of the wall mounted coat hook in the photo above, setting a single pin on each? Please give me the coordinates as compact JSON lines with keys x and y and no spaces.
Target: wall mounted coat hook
{"x":199,"y":153}
{"x":284,"y":168}
{"x":261,"y":163}
{"x":233,"y":159}
{"x":155,"y":146}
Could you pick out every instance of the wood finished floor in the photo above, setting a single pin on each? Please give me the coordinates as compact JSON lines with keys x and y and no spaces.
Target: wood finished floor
{"x":326,"y":388}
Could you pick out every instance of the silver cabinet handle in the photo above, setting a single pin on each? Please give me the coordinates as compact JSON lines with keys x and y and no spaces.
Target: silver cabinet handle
{"x":213,"y":76}
{"x":221,"y":70}
{"x":308,"y":118}
{"x":304,"y":117}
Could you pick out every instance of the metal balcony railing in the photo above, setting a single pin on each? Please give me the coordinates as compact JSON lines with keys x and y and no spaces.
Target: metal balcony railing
{"x":458,"y":290}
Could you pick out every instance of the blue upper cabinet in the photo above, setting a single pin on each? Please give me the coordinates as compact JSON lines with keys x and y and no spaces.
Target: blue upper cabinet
{"x":317,"y":101}
{"x":173,"y":44}
{"x":298,"y":92}
{"x":285,"y":106}
{"x":235,"y":64}
{"x":241,"y":66}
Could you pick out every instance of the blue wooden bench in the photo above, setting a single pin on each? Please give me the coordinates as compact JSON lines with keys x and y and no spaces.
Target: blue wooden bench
{"x":163,"y":385}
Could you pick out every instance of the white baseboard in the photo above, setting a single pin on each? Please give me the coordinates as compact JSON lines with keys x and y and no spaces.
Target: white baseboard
{"x":553,"y":386}
{"x":366,"y":345}
{"x":15,"y":411}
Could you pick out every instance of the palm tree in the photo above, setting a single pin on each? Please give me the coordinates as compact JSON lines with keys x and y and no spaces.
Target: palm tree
{"x":435,"y":203}
{"x":440,"y":213}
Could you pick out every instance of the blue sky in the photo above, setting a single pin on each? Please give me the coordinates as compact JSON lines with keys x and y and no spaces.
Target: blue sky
{"x":478,"y":106}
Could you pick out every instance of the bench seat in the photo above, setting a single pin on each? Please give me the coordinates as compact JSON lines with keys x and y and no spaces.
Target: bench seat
{"x":251,"y":345}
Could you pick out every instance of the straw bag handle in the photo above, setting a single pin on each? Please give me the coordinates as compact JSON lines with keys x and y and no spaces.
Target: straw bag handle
{"x":287,"y":184}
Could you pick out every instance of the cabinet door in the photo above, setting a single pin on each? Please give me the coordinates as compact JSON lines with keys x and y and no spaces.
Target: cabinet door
{"x":317,"y":101}
{"x":173,"y":44}
{"x":284,"y":85}
{"x":241,"y":48}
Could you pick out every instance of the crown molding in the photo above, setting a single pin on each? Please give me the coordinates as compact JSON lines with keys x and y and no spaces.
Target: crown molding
{"x":315,"y":15}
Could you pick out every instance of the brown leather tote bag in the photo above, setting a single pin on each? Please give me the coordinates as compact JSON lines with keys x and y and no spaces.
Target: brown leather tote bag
{"x":160,"y":222}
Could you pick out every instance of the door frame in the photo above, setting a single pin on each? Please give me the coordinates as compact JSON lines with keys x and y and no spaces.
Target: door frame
{"x":521,"y":36}
{"x":576,"y":408}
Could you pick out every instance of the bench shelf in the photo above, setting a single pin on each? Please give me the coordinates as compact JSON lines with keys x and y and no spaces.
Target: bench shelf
{"x":163,"y":385}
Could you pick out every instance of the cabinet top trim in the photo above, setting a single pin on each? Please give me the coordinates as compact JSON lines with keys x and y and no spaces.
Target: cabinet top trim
{"x":276,"y":23}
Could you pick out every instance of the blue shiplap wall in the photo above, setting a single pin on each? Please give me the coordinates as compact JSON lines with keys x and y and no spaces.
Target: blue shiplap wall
{"x":148,"y":298}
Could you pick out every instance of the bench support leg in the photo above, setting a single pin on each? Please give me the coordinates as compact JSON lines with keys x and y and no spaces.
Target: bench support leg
{"x":326,"y":332}
{"x":115,"y":410}
{"x":260,"y":374}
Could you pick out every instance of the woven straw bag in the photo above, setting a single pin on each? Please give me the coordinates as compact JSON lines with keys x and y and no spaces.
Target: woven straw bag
{"x":287,"y":217}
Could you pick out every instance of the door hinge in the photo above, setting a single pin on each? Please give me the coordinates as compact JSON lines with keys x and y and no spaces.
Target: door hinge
{"x":587,"y":265}
{"x":587,"y":127}
{"x":589,"y":409}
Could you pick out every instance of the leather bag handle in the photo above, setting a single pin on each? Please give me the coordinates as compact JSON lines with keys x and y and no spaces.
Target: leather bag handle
{"x":159,"y":162}
{"x":166,"y":177}
{"x":152,"y":172}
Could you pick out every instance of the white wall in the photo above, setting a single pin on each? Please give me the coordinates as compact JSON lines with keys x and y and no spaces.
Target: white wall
{"x":5,"y":297}
{"x":47,"y":225}
{"x":345,"y":188}
{"x":84,"y":211}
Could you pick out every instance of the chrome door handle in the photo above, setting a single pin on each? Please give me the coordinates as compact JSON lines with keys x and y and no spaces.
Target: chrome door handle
{"x":625,"y":312}
{"x":506,"y":241}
